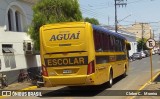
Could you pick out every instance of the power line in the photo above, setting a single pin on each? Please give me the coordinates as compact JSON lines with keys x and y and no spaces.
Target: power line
{"x":135,"y":1}
{"x":90,"y":11}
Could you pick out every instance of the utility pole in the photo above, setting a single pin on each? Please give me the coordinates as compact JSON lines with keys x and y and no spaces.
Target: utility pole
{"x":118,"y":3}
{"x":115,"y":15}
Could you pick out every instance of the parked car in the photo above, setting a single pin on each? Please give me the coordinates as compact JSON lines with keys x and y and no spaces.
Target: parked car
{"x":147,"y":53}
{"x":153,"y":52}
{"x":137,"y":55}
{"x":131,"y":58}
{"x":143,"y":54}
{"x":158,"y":51}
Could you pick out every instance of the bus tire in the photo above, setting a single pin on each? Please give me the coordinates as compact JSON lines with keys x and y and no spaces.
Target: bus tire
{"x":125,"y":72}
{"x":110,"y":82}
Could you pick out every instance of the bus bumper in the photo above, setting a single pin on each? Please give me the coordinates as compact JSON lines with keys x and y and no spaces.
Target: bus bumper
{"x":78,"y":80}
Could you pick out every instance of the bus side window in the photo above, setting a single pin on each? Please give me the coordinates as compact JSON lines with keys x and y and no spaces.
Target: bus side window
{"x":105,"y":42}
{"x":97,"y":41}
{"x":123,"y":45}
{"x":116,"y":45}
{"x":119,"y":45}
{"x":128,"y":46}
{"x":112,"y":43}
{"x":109,"y":40}
{"x":100,"y":41}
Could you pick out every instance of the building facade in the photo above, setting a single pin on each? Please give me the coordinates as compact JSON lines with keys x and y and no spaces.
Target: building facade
{"x":16,"y":47}
{"x":139,"y":29}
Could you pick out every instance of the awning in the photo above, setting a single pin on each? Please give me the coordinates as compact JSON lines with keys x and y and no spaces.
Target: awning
{"x":8,"y":50}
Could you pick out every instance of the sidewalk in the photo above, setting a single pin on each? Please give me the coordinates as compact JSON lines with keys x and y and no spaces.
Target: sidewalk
{"x":154,"y":86}
{"x":20,"y":86}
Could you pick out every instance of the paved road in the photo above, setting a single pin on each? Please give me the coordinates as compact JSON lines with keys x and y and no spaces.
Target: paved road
{"x":139,"y":74}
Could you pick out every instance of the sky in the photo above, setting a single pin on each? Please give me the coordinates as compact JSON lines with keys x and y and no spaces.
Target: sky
{"x":147,"y":11}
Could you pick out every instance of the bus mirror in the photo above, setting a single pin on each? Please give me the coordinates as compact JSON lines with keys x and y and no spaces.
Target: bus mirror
{"x":128,"y":46}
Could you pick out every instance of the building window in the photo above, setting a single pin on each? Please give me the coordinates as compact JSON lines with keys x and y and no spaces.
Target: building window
{"x":8,"y":53}
{"x":10,"y":20}
{"x":18,"y":21}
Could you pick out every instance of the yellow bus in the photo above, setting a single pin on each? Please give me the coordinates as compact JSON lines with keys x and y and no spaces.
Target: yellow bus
{"x":79,"y":53}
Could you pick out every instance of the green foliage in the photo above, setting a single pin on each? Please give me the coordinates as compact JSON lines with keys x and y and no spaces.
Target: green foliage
{"x":92,"y":20}
{"x":140,"y":43}
{"x":52,"y":11}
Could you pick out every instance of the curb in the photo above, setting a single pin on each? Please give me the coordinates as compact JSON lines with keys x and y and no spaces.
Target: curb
{"x":148,"y":82}
{"x":29,"y":88}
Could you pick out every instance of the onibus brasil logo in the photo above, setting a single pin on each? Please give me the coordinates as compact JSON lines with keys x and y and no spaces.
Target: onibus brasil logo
{"x":21,"y":93}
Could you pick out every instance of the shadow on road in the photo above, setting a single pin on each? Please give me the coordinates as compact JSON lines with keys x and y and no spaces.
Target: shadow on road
{"x":100,"y":90}
{"x":157,"y":79}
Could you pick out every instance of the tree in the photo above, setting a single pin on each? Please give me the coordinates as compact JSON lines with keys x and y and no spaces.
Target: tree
{"x":92,"y":20}
{"x":52,"y":11}
{"x":140,"y":43}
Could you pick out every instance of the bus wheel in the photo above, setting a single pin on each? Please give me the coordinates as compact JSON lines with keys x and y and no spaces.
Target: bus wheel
{"x":110,"y":82}
{"x":125,"y":72}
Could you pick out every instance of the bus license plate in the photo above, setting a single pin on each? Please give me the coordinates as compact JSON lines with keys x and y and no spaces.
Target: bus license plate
{"x":67,"y":71}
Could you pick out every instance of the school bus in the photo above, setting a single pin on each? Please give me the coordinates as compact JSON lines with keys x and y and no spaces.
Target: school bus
{"x":79,"y":53}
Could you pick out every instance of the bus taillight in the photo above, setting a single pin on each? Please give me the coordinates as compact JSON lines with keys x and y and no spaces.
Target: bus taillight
{"x":91,"y":68}
{"x":44,"y":70}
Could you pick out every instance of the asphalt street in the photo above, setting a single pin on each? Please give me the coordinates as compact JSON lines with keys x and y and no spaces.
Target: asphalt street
{"x":139,"y":73}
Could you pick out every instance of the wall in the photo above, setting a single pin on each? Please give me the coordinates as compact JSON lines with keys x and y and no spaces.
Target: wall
{"x":15,"y":37}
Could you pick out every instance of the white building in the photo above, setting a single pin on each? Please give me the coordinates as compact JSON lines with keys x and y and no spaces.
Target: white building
{"x":15,"y":44}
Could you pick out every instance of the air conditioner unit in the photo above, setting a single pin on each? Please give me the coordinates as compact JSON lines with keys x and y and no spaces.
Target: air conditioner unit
{"x":28,"y":47}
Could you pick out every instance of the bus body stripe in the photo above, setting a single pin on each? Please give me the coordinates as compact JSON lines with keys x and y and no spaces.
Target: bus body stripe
{"x":66,"y":61}
{"x":100,"y":59}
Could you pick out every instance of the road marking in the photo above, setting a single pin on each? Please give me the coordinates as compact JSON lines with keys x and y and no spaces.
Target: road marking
{"x":29,"y":88}
{"x":148,"y":82}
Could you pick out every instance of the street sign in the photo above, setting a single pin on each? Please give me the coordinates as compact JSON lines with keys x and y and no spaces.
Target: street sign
{"x":151,"y":43}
